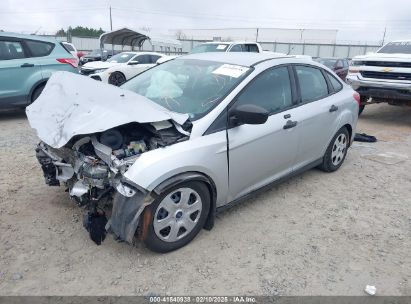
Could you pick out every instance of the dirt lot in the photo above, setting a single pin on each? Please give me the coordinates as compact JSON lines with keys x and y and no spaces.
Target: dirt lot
{"x":317,"y":234}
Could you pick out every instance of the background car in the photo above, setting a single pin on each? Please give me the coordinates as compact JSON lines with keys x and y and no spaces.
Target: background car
{"x":169,"y":145}
{"x":221,"y":46}
{"x":121,"y":67}
{"x":97,"y":55}
{"x":26,"y":63}
{"x":338,"y":65}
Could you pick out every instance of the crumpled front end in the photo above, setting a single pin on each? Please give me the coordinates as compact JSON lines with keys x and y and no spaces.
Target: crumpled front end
{"x":92,"y":168}
{"x":91,"y":134}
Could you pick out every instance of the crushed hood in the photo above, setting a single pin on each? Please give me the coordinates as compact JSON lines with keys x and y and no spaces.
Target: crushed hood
{"x":72,"y":105}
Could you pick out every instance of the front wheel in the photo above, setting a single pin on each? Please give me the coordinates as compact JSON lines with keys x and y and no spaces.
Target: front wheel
{"x":177,"y":216}
{"x":336,"y":151}
{"x":117,"y":79}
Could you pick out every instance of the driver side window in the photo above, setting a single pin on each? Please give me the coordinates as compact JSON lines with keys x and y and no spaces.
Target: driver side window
{"x":270,"y":90}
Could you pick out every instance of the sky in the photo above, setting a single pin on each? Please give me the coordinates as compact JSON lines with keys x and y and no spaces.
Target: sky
{"x":359,"y":21}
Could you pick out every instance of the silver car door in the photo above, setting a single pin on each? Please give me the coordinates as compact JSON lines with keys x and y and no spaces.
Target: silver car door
{"x":317,"y":115}
{"x":259,"y":154}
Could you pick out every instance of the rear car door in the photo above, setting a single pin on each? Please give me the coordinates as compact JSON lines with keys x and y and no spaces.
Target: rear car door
{"x":18,"y":72}
{"x":317,"y":114}
{"x":260,"y":154}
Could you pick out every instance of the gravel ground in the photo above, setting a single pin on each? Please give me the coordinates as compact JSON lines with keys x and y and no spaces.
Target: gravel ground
{"x":317,"y":234}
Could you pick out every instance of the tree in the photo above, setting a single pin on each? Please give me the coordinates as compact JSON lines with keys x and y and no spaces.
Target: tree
{"x":80,"y":31}
{"x":180,"y":35}
{"x":61,"y":33}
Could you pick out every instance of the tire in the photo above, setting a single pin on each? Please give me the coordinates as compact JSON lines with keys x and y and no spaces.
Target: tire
{"x":117,"y":79}
{"x":169,"y":216}
{"x":361,"y":108}
{"x":37,"y":92}
{"x":336,"y":151}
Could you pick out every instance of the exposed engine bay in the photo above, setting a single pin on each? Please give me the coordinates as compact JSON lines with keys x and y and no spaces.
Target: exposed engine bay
{"x":92,"y":167}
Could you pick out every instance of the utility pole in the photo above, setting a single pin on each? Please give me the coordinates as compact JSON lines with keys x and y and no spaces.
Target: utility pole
{"x":256,"y":36}
{"x":111,"y":21}
{"x":383,"y":37}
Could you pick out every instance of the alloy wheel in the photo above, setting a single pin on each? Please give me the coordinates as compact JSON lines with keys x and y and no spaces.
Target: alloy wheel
{"x":338,"y":150}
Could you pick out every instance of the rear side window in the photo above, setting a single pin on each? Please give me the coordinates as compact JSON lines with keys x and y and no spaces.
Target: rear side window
{"x":270,"y":90}
{"x":144,"y":59}
{"x":39,"y":48}
{"x":236,"y":48}
{"x":335,"y":83}
{"x":11,"y":50}
{"x":252,"y":48}
{"x":313,"y":85}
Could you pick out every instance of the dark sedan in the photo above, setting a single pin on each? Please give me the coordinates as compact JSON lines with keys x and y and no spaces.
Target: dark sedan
{"x":338,"y":65}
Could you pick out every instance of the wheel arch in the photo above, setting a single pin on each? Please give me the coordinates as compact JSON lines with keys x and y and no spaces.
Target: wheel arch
{"x":349,"y":128}
{"x":34,"y":87}
{"x":193,"y":176}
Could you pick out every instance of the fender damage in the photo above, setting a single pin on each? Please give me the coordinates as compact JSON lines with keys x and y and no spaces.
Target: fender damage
{"x":91,"y":134}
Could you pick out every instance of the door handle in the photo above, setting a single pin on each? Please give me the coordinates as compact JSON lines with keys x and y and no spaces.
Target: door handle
{"x":333,"y":108}
{"x":290,"y":124}
{"x":286,"y":116}
{"x":27,"y":65}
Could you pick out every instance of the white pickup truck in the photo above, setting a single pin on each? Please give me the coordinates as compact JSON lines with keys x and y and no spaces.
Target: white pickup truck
{"x":231,"y":46}
{"x":384,"y":76}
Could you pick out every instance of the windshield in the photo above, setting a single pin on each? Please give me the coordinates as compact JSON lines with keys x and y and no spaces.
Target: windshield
{"x":403,"y":47}
{"x":188,"y":86}
{"x":121,"y":58}
{"x":209,"y":47}
{"x":328,"y":62}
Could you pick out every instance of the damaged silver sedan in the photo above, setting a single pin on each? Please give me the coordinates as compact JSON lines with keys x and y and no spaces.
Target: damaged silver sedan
{"x":158,"y":157}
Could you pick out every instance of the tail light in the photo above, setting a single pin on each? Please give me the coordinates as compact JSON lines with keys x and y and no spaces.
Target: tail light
{"x":71,"y":61}
{"x":357,"y":98}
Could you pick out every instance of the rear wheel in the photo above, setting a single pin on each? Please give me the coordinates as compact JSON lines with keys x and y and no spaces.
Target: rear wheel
{"x":177,"y":216}
{"x":336,"y":151}
{"x":117,"y":79}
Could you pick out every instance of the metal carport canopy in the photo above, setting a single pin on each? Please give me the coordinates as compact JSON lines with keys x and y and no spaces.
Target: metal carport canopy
{"x":133,"y":38}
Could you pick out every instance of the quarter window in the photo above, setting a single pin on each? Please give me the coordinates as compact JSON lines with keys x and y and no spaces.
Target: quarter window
{"x":334,"y":82}
{"x":39,"y":48}
{"x":154,"y":58}
{"x":271,"y":90}
{"x":11,"y":50}
{"x":313,"y":85}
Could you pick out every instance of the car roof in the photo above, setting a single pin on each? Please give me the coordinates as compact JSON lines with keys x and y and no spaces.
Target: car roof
{"x":240,"y":58}
{"x":24,"y":36}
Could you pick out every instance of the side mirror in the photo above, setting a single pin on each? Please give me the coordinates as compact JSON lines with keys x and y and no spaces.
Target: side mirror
{"x":133,"y":62}
{"x":247,"y":114}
